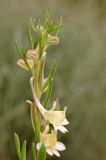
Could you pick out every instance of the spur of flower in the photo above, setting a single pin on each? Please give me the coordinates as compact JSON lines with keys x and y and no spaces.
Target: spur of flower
{"x":54,"y":117}
{"x":50,"y":141}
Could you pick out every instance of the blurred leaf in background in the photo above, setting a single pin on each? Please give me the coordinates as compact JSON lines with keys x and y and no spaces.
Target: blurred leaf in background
{"x":80,"y":82}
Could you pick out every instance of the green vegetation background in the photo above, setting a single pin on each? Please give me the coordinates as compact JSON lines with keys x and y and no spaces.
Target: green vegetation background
{"x":80,"y":82}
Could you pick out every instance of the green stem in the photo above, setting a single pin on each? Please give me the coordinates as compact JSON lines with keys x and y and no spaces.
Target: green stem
{"x":36,"y":82}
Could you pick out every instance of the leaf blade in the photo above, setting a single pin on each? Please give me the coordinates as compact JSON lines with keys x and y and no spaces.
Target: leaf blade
{"x":34,"y":152}
{"x":42,"y":153}
{"x":17,"y":144}
{"x":23,"y":152}
{"x":50,"y":77}
{"x":48,"y":94}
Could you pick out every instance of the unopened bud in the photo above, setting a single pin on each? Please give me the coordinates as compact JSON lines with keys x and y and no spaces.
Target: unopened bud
{"x":32,"y":54}
{"x":23,"y":65}
{"x":53,"y":40}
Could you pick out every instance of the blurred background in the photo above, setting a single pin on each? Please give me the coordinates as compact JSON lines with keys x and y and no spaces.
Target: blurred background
{"x":80,"y":82}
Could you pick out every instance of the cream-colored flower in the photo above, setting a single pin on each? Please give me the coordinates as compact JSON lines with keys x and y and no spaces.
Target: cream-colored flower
{"x":56,"y":118}
{"x":52,"y":145}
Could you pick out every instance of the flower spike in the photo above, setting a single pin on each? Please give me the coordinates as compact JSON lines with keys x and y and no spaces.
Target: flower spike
{"x":45,"y":122}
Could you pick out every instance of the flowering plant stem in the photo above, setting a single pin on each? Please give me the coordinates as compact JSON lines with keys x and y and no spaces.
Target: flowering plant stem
{"x":46,"y":122}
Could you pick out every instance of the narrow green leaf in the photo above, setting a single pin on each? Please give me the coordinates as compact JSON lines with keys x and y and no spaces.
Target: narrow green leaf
{"x":42,"y":153}
{"x":32,"y":24}
{"x":50,"y":77}
{"x":35,"y":40}
{"x":46,"y":19}
{"x":41,"y":45}
{"x":34,"y":152}
{"x":20,"y":50}
{"x":48,"y":94}
{"x":30,"y":37}
{"x":54,"y":27}
{"x":17,"y":144}
{"x":23,"y":152}
{"x":60,"y":25}
{"x":43,"y":39}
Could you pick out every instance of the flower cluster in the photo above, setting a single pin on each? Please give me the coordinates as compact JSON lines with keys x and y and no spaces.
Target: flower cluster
{"x":46,"y":121}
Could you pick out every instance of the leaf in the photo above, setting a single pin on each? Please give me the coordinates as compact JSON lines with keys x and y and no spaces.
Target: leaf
{"x":34,"y":152}
{"x":50,"y":77}
{"x":35,"y":40}
{"x":20,"y":50}
{"x":48,"y":94}
{"x":54,"y":27}
{"x":46,"y":20}
{"x":23,"y":152}
{"x":59,"y":27}
{"x":43,"y":39}
{"x":32,"y":24}
{"x":41,"y":44}
{"x":30,"y":37}
{"x":42,"y":153}
{"x":17,"y":144}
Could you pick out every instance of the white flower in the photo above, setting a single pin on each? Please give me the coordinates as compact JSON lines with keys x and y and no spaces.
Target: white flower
{"x":52,"y":145}
{"x":57,"y":118}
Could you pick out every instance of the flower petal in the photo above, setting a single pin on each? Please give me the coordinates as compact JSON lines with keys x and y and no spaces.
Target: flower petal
{"x":38,"y":145}
{"x":54,"y":106}
{"x":49,"y":151}
{"x":65,"y":122}
{"x":56,"y":153}
{"x":60,"y":146}
{"x":62,"y":129}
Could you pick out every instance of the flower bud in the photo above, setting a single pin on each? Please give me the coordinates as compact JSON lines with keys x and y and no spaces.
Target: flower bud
{"x":32,"y":54}
{"x":23,"y":65}
{"x":53,"y":40}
